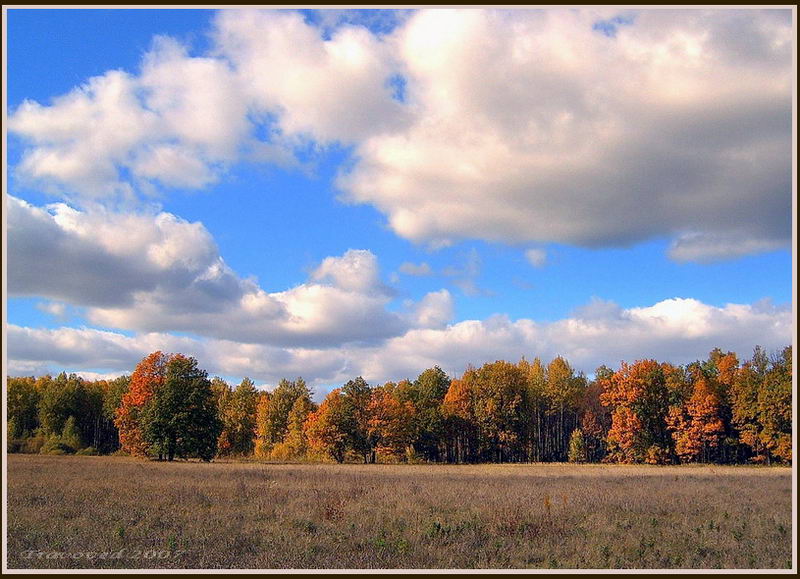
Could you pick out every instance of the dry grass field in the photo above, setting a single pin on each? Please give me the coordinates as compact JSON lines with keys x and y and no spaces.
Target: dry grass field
{"x":79,"y":512}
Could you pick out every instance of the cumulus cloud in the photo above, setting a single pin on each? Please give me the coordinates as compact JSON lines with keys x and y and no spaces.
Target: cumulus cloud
{"x":176,"y":124}
{"x":435,"y":310}
{"x":159,"y":273}
{"x":524,"y":126}
{"x":103,"y":258}
{"x":676,"y":330}
{"x":79,"y":142}
{"x":86,"y":350}
{"x":536,"y":126}
{"x":333,"y":89}
{"x":357,"y":270}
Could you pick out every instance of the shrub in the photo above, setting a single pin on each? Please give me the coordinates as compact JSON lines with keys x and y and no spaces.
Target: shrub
{"x":70,"y":435}
{"x":88,"y":451}
{"x":34,"y":444}
{"x":411,"y":456}
{"x":281,"y":452}
{"x":657,"y":455}
{"x":14,"y":445}
{"x":56,"y":446}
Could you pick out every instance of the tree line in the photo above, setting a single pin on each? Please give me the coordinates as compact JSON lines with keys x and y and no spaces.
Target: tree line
{"x":716,"y":410}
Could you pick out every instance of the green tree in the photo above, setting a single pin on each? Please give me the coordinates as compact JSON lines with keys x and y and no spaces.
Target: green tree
{"x":500,"y":409}
{"x":276,"y":419}
{"x":577,"y":447}
{"x":427,"y":395}
{"x":70,"y":395}
{"x":536,"y":435}
{"x":181,"y":418}
{"x":22,"y":400}
{"x":237,"y":411}
{"x":563,"y":390}
{"x":70,"y":435}
{"x":356,"y":395}
{"x":775,"y":407}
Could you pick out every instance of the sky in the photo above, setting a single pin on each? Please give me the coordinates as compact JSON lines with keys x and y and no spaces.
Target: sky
{"x":333,"y":193}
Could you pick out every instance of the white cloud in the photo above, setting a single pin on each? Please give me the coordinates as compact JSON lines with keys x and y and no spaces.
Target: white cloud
{"x":357,"y":270}
{"x":56,"y":309}
{"x":80,"y":140}
{"x":198,"y":99}
{"x":102,"y":258}
{"x":675,"y":330}
{"x":329,"y":90}
{"x":159,"y":273}
{"x":435,"y":310}
{"x":414,"y":269}
{"x":536,"y":257}
{"x":531,"y":126}
{"x":177,"y":124}
{"x":86,"y":350}
{"x":524,"y":126}
{"x":707,"y":248}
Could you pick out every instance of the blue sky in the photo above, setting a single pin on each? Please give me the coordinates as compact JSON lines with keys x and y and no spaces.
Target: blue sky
{"x":640,"y":221}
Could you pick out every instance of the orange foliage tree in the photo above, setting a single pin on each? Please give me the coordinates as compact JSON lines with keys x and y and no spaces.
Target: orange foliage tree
{"x":638,"y":395}
{"x":391,"y":421}
{"x":457,"y":409}
{"x":327,"y":428}
{"x":697,"y":426}
{"x":146,"y":379}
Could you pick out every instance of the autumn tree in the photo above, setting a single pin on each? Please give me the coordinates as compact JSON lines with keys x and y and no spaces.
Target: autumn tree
{"x":775,"y":408}
{"x":145,"y":380}
{"x":696,"y":426}
{"x":295,"y":443}
{"x":761,"y":405}
{"x":709,"y":410}
{"x":563,"y":390}
{"x":536,"y":437}
{"x":500,"y":410}
{"x":261,"y":443}
{"x":638,"y":397}
{"x":460,"y":424}
{"x":595,"y":419}
{"x":326,"y":429}
{"x":391,"y":421}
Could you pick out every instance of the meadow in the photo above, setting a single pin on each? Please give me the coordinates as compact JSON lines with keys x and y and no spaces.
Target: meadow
{"x":116,"y":512}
